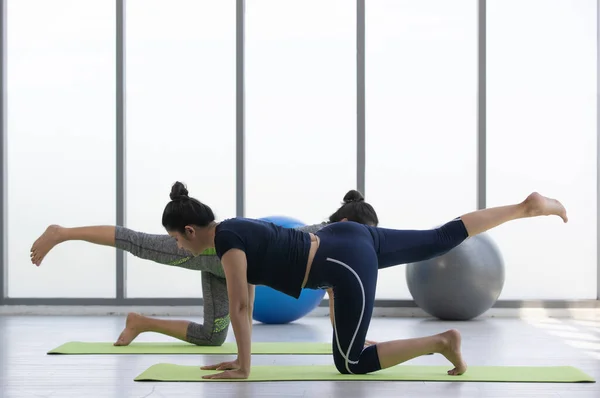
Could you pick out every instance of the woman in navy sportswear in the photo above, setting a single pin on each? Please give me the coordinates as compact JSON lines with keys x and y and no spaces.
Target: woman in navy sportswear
{"x":344,"y":256}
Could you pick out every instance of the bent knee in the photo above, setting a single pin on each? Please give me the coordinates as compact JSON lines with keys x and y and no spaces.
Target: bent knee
{"x":217,"y":339}
{"x":342,"y":369}
{"x":359,"y":368}
{"x":214,"y":340}
{"x":199,"y":335}
{"x":368,"y":361}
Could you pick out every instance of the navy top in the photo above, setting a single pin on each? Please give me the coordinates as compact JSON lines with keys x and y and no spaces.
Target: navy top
{"x":276,"y":256}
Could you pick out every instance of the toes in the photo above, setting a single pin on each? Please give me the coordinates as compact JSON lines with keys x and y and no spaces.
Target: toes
{"x":456,"y":372}
{"x":119,"y":340}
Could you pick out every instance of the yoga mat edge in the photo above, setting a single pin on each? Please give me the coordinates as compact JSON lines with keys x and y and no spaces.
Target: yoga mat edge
{"x":518,"y":374}
{"x":229,"y":348}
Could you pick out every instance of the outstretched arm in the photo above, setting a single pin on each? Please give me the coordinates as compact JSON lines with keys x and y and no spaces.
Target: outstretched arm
{"x":239,"y":292}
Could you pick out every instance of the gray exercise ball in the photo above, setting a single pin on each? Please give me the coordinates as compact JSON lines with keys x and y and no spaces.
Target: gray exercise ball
{"x":461,"y":284}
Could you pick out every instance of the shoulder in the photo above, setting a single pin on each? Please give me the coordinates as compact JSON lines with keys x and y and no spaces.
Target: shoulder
{"x":236,"y":224}
{"x":234,"y":233}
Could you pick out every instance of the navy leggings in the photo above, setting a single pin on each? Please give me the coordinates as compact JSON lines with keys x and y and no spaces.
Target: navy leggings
{"x":348,"y":260}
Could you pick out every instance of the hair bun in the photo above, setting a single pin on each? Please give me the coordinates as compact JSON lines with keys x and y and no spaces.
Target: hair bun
{"x":353,"y":196}
{"x":179,"y":192}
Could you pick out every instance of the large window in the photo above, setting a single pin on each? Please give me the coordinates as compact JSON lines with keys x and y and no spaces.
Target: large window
{"x":180,"y":122}
{"x":61,"y":142}
{"x":300,"y":127}
{"x":301,"y":107}
{"x":421,"y":116}
{"x":542,"y":137}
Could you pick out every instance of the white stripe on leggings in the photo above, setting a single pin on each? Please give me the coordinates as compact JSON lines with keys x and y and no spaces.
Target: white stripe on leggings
{"x":362,"y":312}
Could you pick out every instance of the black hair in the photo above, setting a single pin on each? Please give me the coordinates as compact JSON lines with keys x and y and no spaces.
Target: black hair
{"x":183,"y":210}
{"x":354,"y":208}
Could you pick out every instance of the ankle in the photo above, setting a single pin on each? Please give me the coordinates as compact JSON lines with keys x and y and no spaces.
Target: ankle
{"x":138,"y":322}
{"x":144,"y":324}
{"x":64,"y":234}
{"x":526,"y":209}
{"x":441,"y":343}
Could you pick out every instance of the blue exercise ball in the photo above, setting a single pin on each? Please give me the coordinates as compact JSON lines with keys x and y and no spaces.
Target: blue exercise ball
{"x":283,"y":221}
{"x":274,"y":307}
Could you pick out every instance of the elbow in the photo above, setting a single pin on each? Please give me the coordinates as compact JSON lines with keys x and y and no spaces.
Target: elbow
{"x":240,"y":308}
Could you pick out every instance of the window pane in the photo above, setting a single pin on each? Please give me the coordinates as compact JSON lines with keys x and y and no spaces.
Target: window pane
{"x":180,"y":122}
{"x":61,"y":142}
{"x":421,"y":115}
{"x":301,"y":107}
{"x":542,"y":137}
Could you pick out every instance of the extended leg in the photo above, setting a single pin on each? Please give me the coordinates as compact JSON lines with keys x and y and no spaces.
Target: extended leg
{"x":158,"y":248}
{"x":396,"y":247}
{"x":534,"y":205}
{"x":55,"y":234}
{"x":163,"y":249}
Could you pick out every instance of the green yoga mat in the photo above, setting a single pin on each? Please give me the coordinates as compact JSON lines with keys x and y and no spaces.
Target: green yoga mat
{"x":91,"y":348}
{"x":514,"y":374}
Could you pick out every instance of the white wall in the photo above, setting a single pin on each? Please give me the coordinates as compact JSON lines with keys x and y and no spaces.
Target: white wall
{"x":301,"y":107}
{"x":180,"y":122}
{"x":542,"y":136}
{"x":421,"y":91}
{"x":60,"y":142}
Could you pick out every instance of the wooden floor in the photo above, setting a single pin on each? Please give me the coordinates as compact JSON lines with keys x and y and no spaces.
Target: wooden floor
{"x":26,"y":370}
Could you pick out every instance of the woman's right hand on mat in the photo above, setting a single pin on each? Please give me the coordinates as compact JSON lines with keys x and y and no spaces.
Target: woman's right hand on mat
{"x":231,"y":371}
{"x":229,"y":374}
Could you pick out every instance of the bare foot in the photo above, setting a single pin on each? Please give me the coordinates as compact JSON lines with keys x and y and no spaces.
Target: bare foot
{"x":133,"y":327}
{"x":538,"y":205}
{"x":46,"y":242}
{"x":452,"y":352}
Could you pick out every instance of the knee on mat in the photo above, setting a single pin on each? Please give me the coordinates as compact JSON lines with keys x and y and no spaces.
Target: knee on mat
{"x":355,"y":369}
{"x":197,"y":335}
{"x":359,"y":368}
{"x":212,"y":341}
{"x":218,"y":338}
{"x":367,"y":362}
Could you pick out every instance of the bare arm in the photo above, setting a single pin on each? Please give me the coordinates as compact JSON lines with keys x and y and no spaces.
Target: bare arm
{"x":250,"y":304}
{"x":239,"y":292}
{"x":234,"y":264}
{"x":331,"y":307}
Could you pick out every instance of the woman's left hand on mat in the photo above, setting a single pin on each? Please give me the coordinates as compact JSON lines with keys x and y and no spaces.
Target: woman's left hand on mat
{"x":229,"y":374}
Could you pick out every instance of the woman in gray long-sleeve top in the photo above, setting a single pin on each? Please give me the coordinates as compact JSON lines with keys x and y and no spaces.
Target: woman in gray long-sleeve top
{"x":163,"y":249}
